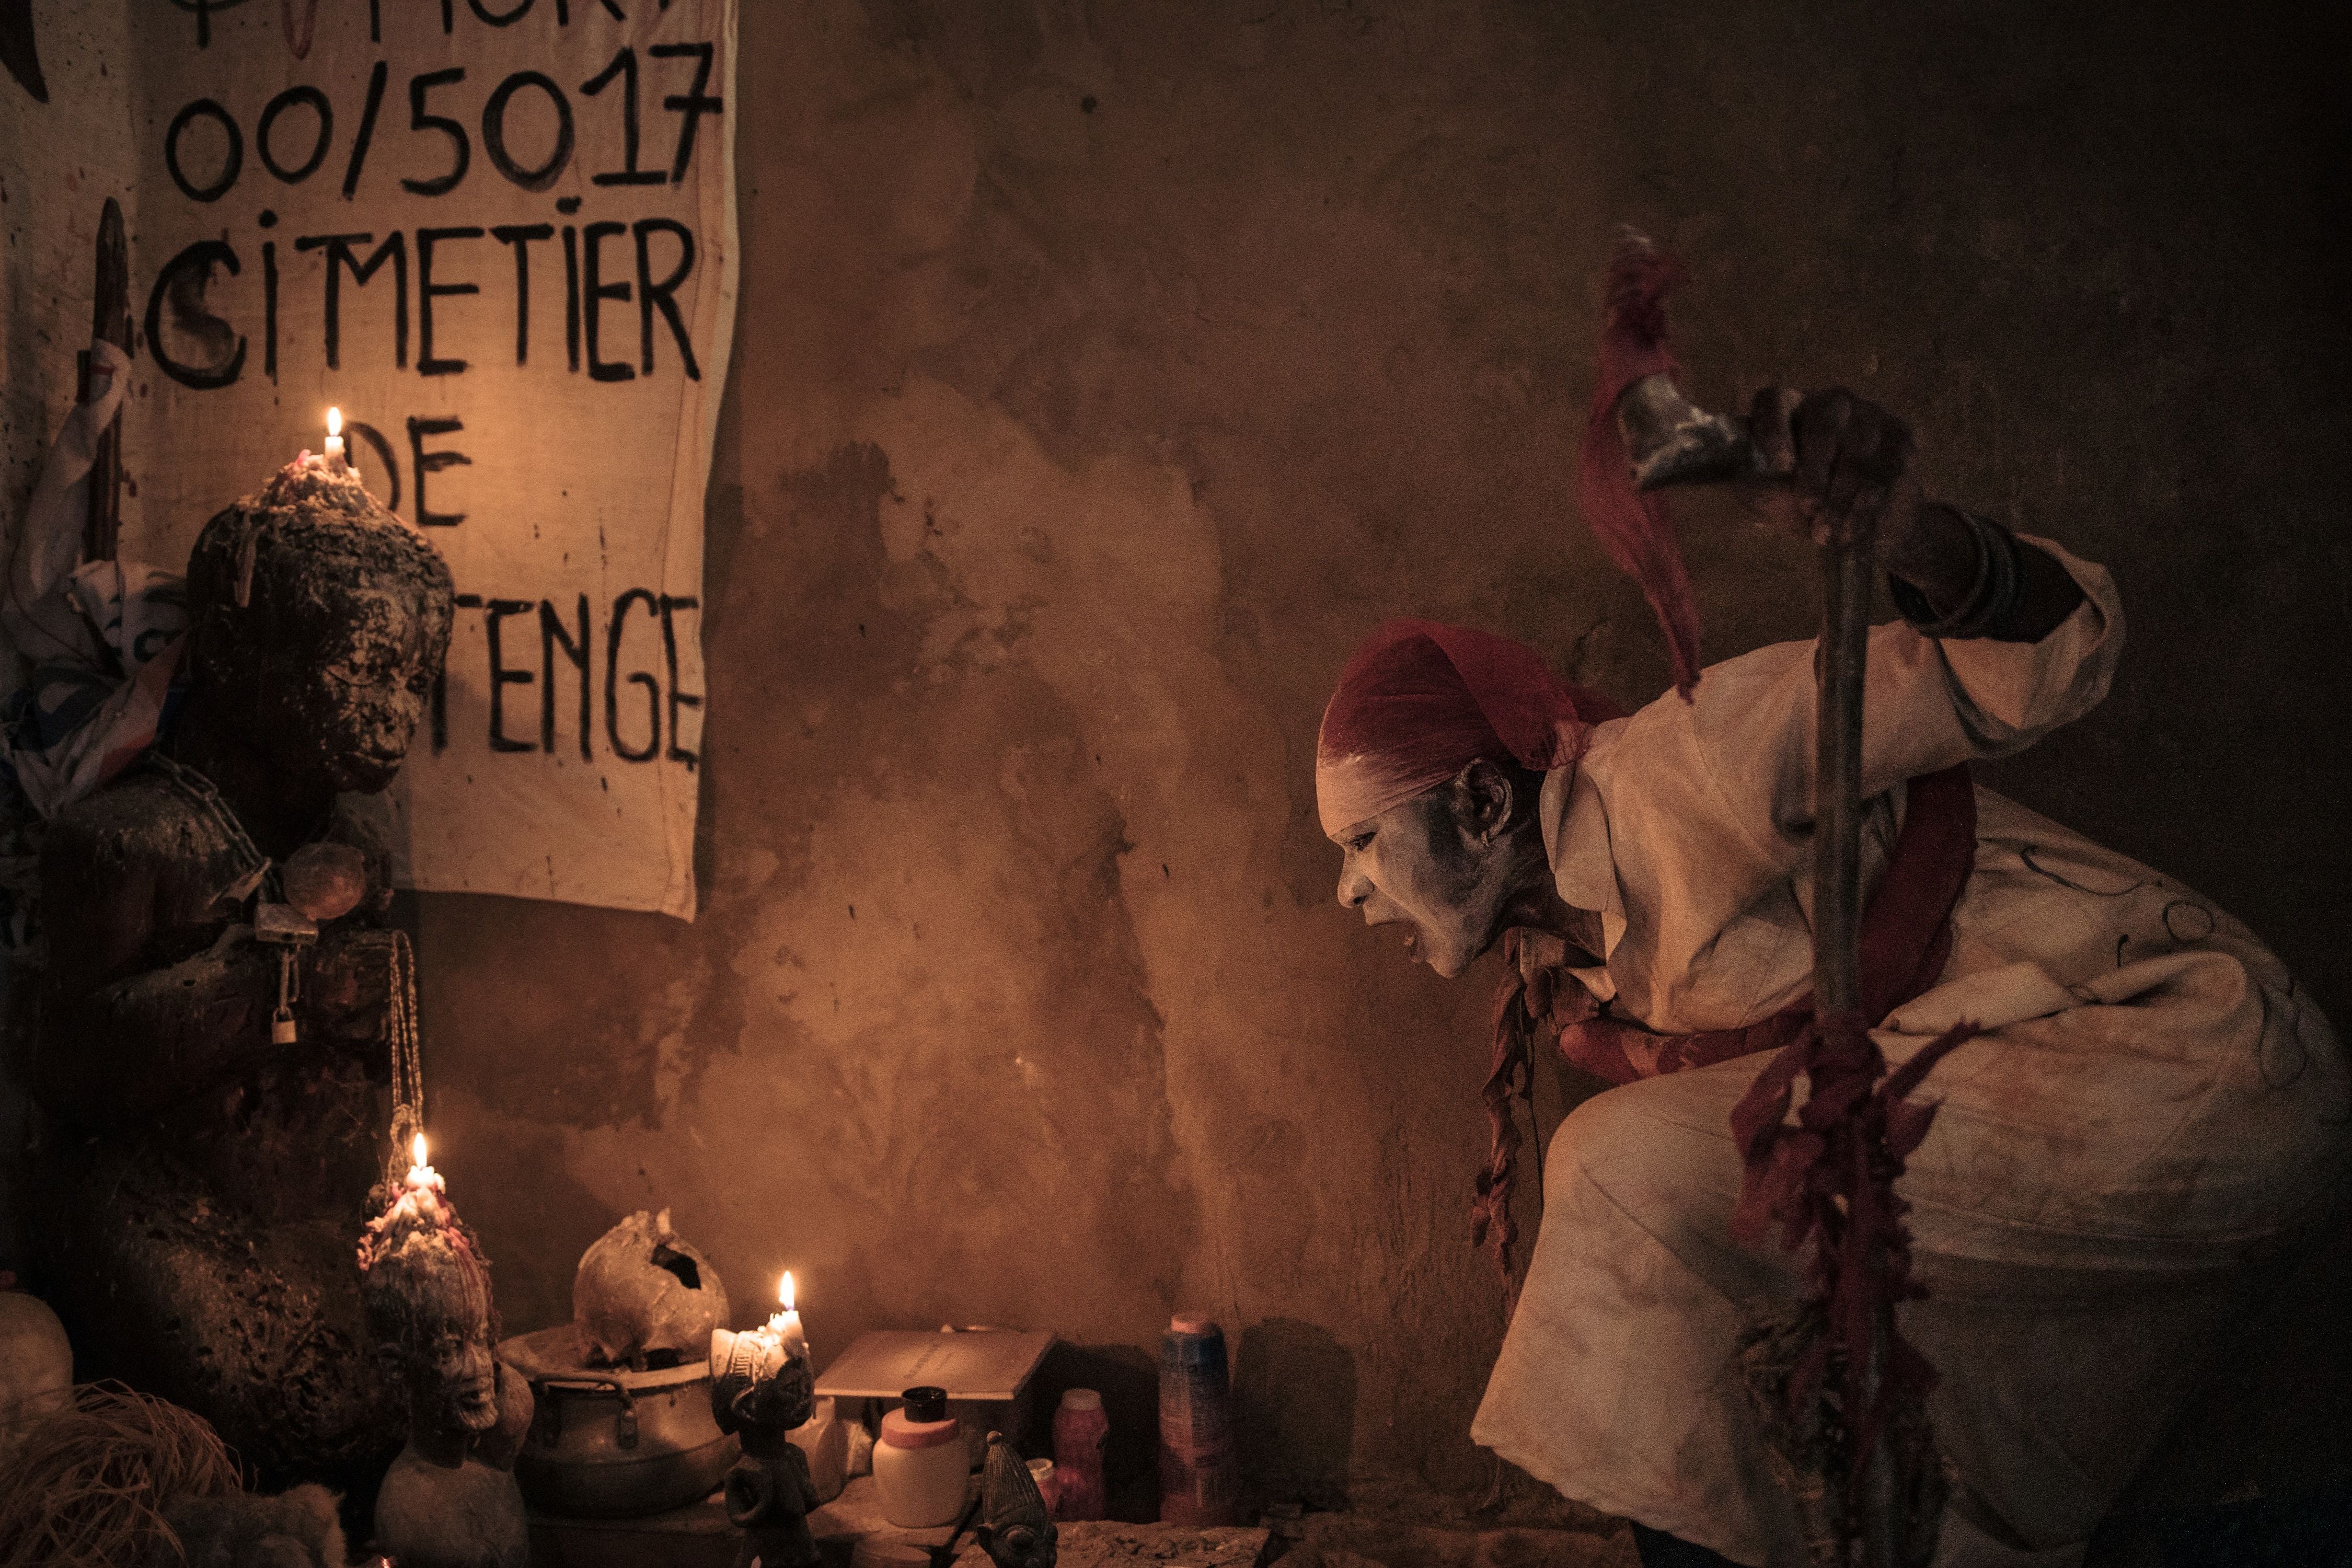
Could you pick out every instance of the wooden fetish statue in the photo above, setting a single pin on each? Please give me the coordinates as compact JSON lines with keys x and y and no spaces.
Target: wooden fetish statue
{"x":215,"y":1104}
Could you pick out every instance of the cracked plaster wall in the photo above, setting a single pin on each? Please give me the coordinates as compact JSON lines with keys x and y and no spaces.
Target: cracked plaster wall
{"x":60,"y":162}
{"x":1104,"y":371}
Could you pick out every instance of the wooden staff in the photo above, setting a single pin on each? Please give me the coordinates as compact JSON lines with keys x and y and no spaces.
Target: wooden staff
{"x":1849,"y":569}
{"x":110,"y":322}
{"x":1666,"y":441}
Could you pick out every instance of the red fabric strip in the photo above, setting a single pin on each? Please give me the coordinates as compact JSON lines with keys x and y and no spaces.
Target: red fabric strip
{"x":1630,"y":526}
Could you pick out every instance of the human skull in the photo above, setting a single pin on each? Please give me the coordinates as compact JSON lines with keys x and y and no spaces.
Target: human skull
{"x":643,"y":1293}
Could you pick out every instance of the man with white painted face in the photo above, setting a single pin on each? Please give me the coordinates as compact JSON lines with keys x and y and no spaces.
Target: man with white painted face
{"x":2152,"y":1118}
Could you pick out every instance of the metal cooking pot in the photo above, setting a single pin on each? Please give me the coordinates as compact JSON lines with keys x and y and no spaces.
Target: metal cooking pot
{"x":607,"y":1442}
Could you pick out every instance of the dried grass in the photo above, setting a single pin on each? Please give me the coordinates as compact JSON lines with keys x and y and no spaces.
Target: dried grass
{"x":87,"y":1486}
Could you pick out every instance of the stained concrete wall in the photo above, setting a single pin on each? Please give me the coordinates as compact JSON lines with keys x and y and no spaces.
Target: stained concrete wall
{"x":1104,"y":369}
{"x":62,"y":159}
{"x":60,"y":162}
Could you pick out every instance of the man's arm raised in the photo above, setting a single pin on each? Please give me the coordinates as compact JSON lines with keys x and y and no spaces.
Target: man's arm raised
{"x":1710,"y":803}
{"x":1954,"y":574}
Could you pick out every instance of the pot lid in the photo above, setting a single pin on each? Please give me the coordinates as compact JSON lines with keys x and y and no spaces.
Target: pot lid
{"x":555,"y":1353}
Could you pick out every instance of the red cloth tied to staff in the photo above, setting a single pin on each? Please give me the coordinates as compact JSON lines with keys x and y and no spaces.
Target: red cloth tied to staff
{"x":1829,"y":1181}
{"x":1632,"y":525}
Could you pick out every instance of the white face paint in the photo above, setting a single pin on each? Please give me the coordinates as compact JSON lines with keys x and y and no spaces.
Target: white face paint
{"x":1410,"y":867}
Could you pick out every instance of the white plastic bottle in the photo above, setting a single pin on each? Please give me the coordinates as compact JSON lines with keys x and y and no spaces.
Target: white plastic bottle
{"x":920,"y":1466}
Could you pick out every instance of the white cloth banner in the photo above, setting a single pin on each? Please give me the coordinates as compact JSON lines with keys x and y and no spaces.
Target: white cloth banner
{"x":500,"y":236}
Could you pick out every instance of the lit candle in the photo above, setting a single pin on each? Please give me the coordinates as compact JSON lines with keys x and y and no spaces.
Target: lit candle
{"x":426,"y":1190}
{"x":786,"y":1325}
{"x":763,"y":1353}
{"x":336,"y":465}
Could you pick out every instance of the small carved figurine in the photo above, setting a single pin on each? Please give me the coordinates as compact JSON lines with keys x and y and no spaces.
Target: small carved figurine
{"x":769,"y":1492}
{"x":450,"y":1499}
{"x":1015,"y":1529}
{"x":202,"y":1174}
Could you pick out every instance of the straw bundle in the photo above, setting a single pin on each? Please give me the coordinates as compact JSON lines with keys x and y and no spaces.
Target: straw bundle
{"x":87,"y":1486}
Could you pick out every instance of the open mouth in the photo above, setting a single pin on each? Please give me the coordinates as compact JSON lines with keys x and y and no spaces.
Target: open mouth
{"x":1411,"y":943}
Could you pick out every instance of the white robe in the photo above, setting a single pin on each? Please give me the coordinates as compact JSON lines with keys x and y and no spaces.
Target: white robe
{"x":2155,"y":1114}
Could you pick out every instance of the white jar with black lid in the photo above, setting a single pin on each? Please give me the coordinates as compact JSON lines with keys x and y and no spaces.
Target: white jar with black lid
{"x":921,"y":1466}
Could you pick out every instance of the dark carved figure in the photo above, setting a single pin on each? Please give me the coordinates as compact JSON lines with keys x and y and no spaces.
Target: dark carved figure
{"x":769,"y":1492}
{"x":450,"y":1499}
{"x":1015,"y":1529}
{"x":205,"y":1173}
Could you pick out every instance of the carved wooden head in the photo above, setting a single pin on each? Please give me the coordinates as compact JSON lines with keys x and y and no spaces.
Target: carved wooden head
{"x":321,"y":624}
{"x":426,"y":1288}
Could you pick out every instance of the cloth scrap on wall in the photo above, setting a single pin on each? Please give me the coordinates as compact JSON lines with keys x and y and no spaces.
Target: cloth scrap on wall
{"x":104,"y":640}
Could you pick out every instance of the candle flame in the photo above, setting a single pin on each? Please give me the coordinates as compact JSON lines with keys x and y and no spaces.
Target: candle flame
{"x":416,"y":1150}
{"x":784,"y":1291}
{"x":334,"y":421}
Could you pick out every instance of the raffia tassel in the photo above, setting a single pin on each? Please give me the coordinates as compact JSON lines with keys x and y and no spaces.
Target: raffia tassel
{"x":87,"y":1486}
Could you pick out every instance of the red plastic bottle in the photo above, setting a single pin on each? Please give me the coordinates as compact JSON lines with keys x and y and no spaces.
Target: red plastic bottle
{"x":1080,"y":1428}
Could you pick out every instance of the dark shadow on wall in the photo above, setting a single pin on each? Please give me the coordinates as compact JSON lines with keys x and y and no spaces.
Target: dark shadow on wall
{"x":1294,"y":1416}
{"x":1295,"y":1413}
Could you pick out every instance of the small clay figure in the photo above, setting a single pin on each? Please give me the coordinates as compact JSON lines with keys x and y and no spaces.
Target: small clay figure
{"x":450,"y":1499}
{"x":769,"y":1492}
{"x":1015,"y":1529}
{"x":202,"y":1177}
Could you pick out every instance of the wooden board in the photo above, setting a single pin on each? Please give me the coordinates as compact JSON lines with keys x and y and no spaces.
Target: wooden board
{"x":983,"y":1365}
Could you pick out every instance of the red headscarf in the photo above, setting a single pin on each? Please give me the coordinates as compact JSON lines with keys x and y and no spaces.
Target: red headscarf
{"x":1420,"y":699}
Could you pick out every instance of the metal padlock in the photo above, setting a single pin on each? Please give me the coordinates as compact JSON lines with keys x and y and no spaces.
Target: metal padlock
{"x":283,"y":925}
{"x":289,"y":930}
